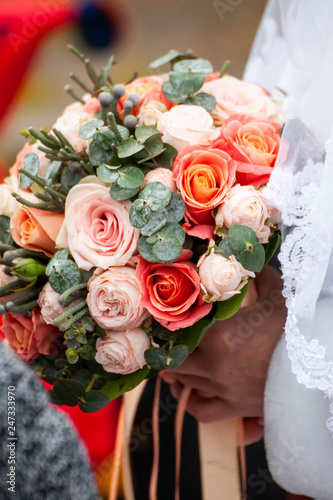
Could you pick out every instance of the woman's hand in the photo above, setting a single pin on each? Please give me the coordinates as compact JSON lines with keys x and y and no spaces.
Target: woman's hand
{"x":228,"y":370}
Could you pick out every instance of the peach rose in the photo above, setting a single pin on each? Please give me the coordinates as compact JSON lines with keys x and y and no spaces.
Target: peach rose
{"x":122,"y":352}
{"x":187,"y":125}
{"x":253,"y":144}
{"x":171,"y":292}
{"x":150,"y":113}
{"x":162,"y":175}
{"x":36,"y":230}
{"x":97,"y":230}
{"x":69,"y":125}
{"x":114,"y":299}
{"x":14,"y":170}
{"x":246,"y":206}
{"x":149,"y":88}
{"x":30,"y":337}
{"x":235,"y":96}
{"x":221,"y":278}
{"x":8,"y":204}
{"x":48,"y":302}
{"x":203,"y":177}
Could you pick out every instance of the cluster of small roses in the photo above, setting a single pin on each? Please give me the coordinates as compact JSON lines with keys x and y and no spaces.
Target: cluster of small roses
{"x":224,"y":158}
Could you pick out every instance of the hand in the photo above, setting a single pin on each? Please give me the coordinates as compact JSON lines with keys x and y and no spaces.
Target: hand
{"x":231,"y":362}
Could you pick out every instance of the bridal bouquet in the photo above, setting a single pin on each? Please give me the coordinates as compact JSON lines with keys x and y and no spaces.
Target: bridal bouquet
{"x":134,"y":223}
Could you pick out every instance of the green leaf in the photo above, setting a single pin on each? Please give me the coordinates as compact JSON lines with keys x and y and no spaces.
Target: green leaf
{"x":94,"y":401}
{"x":195,"y":65}
{"x":168,"y":249}
{"x":104,"y":138}
{"x":118,"y":193}
{"x":72,"y":355}
{"x":172,"y":95}
{"x":253,"y":258}
{"x":88,"y":325}
{"x":129,"y":147}
{"x":170,"y":56}
{"x":272,"y":246}
{"x":225,"y":249}
{"x":156,"y":222}
{"x":130,"y":177}
{"x":99,"y":156}
{"x":163,"y":233}
{"x":157,"y":358}
{"x":67,"y":276}
{"x":146,"y":251}
{"x":139,"y":213}
{"x":69,"y":179}
{"x":88,"y":130}
{"x":165,"y":159}
{"x":83,"y":376}
{"x":156,"y":195}
{"x":155,"y":147}
{"x":125,"y":383}
{"x":5,"y":234}
{"x":206,"y":101}
{"x":240,"y":237}
{"x":177,"y":355}
{"x":227,"y":308}
{"x":52,"y":170}
{"x":57,"y":260}
{"x":31,"y":164}
{"x":175,"y":229}
{"x":107,"y":173}
{"x":186,"y":83}
{"x":53,"y":398}
{"x":192,"y":335}
{"x":68,"y":391}
{"x":144,"y":133}
{"x":87,"y":352}
{"x":176,"y":208}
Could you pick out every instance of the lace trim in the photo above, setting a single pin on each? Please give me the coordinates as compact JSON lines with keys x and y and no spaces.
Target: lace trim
{"x":303,"y":201}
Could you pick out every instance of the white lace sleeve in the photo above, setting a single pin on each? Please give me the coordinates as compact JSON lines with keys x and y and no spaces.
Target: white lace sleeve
{"x":294,"y":52}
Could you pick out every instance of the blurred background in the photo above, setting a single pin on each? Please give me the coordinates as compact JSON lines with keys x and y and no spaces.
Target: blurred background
{"x":136,"y":31}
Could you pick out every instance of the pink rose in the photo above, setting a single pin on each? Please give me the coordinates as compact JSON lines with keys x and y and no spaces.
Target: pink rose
{"x":30,"y":337}
{"x":97,"y":229}
{"x":235,"y":96}
{"x":122,"y":352}
{"x":187,"y":125}
{"x":114,"y":299}
{"x":150,"y":113}
{"x":253,"y":144}
{"x":48,"y":302}
{"x":246,"y":206}
{"x":221,"y":278}
{"x":171,"y":293}
{"x":162,"y":175}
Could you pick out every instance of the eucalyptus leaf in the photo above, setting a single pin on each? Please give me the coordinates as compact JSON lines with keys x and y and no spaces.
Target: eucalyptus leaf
{"x":83,"y":376}
{"x":240,"y":237}
{"x":170,"y":56}
{"x":195,"y":65}
{"x":165,"y":159}
{"x":98,"y":156}
{"x":94,"y":401}
{"x":177,"y":355}
{"x":156,"y":195}
{"x":68,"y":391}
{"x":253,"y":258}
{"x":107,"y":174}
{"x":186,"y":83}
{"x":31,"y":164}
{"x":104,"y":138}
{"x":272,"y":246}
{"x":144,"y":133}
{"x":130,"y":177}
{"x":87,"y":352}
{"x":69,"y":179}
{"x":157,"y":358}
{"x":206,"y":101}
{"x":172,"y":95}
{"x":167,"y":249}
{"x":156,"y":222}
{"x":56,"y":261}
{"x":146,"y":251}
{"x":125,"y":383}
{"x":176,"y":208}
{"x":225,"y":249}
{"x":5,"y":234}
{"x":129,"y":147}
{"x":88,"y":130}
{"x":139,"y":214}
{"x":175,"y":229}
{"x":67,"y":276}
{"x":118,"y":193}
{"x":52,"y":170}
{"x":154,"y":148}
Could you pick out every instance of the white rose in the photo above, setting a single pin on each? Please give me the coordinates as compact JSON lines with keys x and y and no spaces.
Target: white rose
{"x":187,"y":125}
{"x":221,"y":278}
{"x":69,"y":125}
{"x":151,"y":113}
{"x":8,"y":204}
{"x":162,"y":175}
{"x":246,"y":206}
{"x":234,"y":96}
{"x":122,"y":352}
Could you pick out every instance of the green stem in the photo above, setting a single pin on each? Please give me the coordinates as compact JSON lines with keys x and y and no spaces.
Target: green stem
{"x":77,"y":52}
{"x":24,"y":308}
{"x":72,"y":320}
{"x":63,"y":297}
{"x":88,"y":168}
{"x":4,"y":247}
{"x":68,"y":313}
{"x":80,"y":83}
{"x":224,"y":68}
{"x":69,"y":90}
{"x":34,"y":178}
{"x":54,"y":193}
{"x":92,"y":74}
{"x":33,"y":294}
{"x":11,"y":255}
{"x":40,"y":137}
{"x":114,"y":127}
{"x":41,"y":206}
{"x":12,"y":287}
{"x":62,"y":139}
{"x":91,"y":383}
{"x":50,"y":138}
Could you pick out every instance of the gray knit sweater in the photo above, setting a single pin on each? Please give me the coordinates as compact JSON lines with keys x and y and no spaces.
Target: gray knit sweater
{"x":46,"y":460}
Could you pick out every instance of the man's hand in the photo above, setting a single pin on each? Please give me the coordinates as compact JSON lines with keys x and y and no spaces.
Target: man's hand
{"x":228,"y":370}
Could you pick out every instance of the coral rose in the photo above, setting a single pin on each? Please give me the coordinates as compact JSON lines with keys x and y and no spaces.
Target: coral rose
{"x":234,"y":96}
{"x":122,"y":352}
{"x":187,"y":125}
{"x":162,"y":175}
{"x":221,"y":278}
{"x":253,"y":144}
{"x":114,"y":299}
{"x":30,"y":337}
{"x":97,"y":230}
{"x":246,"y":206}
{"x":36,"y":230}
{"x":203,"y":177}
{"x":171,"y":293}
